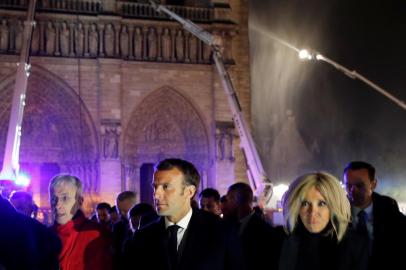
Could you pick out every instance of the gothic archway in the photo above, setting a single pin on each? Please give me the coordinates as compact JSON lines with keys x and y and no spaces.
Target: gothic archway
{"x":57,"y":128}
{"x":165,"y":124}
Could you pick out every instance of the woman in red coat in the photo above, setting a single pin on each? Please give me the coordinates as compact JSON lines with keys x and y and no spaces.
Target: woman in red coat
{"x":85,"y":244}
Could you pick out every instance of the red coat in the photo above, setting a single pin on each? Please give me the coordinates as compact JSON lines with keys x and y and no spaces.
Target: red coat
{"x":85,"y":245}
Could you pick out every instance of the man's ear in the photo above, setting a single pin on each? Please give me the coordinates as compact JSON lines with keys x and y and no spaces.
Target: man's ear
{"x":374,"y":183}
{"x":191,"y":191}
{"x":80,"y":201}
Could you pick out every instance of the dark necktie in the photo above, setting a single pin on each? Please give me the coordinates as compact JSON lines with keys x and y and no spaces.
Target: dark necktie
{"x":362,"y":224}
{"x":173,"y":245}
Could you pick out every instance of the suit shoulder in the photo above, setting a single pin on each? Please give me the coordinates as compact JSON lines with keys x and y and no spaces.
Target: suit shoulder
{"x":206,"y":218}
{"x":385,"y":202}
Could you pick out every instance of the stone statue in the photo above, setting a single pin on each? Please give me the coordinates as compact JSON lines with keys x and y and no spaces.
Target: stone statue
{"x":166,"y":45}
{"x":221,"y":145}
{"x":180,"y":47}
{"x":35,"y":39}
{"x":64,"y":39}
{"x":152,"y":46}
{"x":19,"y":36}
{"x":93,"y":40}
{"x":111,"y":143}
{"x":4,"y":34}
{"x":79,"y":35}
{"x":109,"y":40}
{"x":138,"y":43}
{"x":50,"y":39}
{"x":193,"y":49}
{"x":207,"y":53}
{"x":124,"y":42}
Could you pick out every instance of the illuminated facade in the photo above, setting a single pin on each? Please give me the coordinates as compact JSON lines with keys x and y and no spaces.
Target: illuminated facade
{"x":116,"y":87}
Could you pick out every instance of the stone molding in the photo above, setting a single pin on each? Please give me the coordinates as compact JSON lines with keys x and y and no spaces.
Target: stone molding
{"x":113,"y":37}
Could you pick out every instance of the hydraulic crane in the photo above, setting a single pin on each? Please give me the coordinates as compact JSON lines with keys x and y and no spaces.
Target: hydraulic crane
{"x":255,"y":171}
{"x":11,"y":165}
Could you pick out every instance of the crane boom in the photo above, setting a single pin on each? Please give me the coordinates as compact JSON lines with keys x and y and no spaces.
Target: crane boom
{"x":12,"y":150}
{"x":255,"y":171}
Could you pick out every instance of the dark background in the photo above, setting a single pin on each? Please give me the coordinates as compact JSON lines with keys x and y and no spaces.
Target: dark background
{"x":337,"y":119}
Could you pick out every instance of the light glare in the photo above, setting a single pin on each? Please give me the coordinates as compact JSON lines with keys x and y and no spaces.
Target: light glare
{"x":22,"y":180}
{"x":304,"y":54}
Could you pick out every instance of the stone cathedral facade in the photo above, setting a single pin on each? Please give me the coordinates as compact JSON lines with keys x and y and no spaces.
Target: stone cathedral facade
{"x":116,"y":87}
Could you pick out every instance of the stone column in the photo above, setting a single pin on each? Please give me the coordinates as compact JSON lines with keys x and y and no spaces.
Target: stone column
{"x":71,"y":39}
{"x":173,"y":49}
{"x":100,"y":27}
{"x":86,"y":41}
{"x":117,"y":39}
{"x":41,"y":37}
{"x":144,"y":42}
{"x":187,"y":52}
{"x":110,"y":165}
{"x":159,"y":43}
{"x":131,"y":41}
{"x":57,"y":52}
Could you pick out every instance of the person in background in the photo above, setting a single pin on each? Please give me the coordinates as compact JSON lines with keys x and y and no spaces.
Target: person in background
{"x":209,"y":200}
{"x":375,"y":216}
{"x":22,"y":202}
{"x":258,"y":238}
{"x":85,"y":244}
{"x":114,"y":216}
{"x":140,"y":215}
{"x":316,"y":215}
{"x":224,"y":207}
{"x":26,"y":243}
{"x":121,"y":229}
{"x":103,"y":215}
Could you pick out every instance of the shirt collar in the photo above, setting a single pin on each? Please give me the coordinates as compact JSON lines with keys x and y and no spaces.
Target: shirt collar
{"x":183,"y":223}
{"x":367,"y":210}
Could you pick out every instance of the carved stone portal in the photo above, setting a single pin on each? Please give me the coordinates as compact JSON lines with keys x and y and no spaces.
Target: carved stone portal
{"x":166,"y":125}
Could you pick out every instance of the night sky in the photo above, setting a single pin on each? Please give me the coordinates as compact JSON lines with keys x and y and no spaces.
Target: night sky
{"x":336,"y":119}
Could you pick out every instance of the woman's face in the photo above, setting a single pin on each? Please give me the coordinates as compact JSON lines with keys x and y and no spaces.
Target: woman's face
{"x":314,"y":211}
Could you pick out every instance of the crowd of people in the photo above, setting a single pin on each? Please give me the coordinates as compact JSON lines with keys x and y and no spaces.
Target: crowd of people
{"x":325,"y":226}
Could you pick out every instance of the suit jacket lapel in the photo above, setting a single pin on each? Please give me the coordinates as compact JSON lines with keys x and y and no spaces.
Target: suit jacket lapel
{"x":163,"y":238}
{"x":187,"y":249}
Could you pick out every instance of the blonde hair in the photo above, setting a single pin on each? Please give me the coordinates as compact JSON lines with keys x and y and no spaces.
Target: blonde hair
{"x":330,"y":188}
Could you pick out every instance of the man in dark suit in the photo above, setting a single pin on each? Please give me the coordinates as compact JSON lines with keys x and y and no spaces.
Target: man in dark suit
{"x":183,"y":238}
{"x":375,"y":216}
{"x":25,"y":243}
{"x":261,"y":243}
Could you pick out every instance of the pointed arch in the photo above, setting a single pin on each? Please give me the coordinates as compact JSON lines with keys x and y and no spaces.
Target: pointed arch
{"x":57,"y":127}
{"x":165,"y":124}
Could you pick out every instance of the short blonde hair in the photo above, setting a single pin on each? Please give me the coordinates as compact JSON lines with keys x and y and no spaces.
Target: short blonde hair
{"x":330,"y":188}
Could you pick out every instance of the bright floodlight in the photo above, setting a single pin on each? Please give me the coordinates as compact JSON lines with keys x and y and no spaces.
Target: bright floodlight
{"x":304,"y":54}
{"x":22,"y":180}
{"x":279,"y":190}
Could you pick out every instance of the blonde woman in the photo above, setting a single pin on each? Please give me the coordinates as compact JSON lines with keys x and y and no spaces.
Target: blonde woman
{"x":316,"y":216}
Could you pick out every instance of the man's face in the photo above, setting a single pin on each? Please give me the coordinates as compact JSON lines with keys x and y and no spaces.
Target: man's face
{"x":224,"y":208}
{"x":359,"y":187}
{"x":209,"y":204}
{"x":114,"y":217}
{"x":314,"y":211}
{"x":172,"y":198}
{"x":64,"y":202}
{"x":232,"y":204}
{"x":124,"y":206}
{"x":103,"y":215}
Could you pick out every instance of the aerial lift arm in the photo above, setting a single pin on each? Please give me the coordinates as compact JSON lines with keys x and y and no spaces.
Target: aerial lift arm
{"x":12,"y":149}
{"x":255,"y":171}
